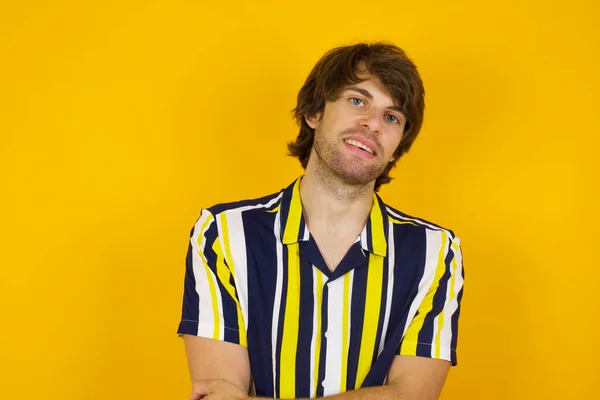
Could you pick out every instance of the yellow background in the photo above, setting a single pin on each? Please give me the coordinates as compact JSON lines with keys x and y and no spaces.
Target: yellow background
{"x":121,"y":120}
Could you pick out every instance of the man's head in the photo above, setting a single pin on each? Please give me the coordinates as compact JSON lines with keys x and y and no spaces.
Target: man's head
{"x":365,"y":95}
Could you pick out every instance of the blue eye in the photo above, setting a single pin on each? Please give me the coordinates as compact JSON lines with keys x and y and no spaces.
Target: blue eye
{"x":394,"y":118}
{"x":356,"y":101}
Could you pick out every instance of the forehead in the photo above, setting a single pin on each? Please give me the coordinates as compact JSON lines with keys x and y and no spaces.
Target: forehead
{"x":373,"y":85}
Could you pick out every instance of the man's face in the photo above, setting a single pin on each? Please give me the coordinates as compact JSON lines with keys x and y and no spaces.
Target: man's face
{"x":357,"y":134}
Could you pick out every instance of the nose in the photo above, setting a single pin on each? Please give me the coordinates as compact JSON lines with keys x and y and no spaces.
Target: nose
{"x":372,"y":120}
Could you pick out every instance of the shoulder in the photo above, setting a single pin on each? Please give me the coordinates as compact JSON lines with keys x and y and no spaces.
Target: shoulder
{"x":212,"y":218}
{"x":262,"y":205}
{"x":404,"y":221}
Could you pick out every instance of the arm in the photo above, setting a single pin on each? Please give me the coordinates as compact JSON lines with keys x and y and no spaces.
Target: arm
{"x":421,"y":366}
{"x":213,"y":362}
{"x":409,"y":378}
{"x":212,"y":324}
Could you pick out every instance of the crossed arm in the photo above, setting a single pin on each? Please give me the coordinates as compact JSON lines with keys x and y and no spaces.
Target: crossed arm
{"x":221,"y":371}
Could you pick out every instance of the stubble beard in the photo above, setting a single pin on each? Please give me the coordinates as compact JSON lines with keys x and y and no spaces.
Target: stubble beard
{"x":332,"y":165}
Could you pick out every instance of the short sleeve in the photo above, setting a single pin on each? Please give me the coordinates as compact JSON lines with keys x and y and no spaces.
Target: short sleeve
{"x":211,"y":307}
{"x":433,"y":331}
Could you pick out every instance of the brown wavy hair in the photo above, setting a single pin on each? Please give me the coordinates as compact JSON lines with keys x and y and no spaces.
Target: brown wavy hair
{"x":337,"y":69}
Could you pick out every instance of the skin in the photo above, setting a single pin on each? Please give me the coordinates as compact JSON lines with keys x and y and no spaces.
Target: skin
{"x":336,"y":192}
{"x":337,"y":188}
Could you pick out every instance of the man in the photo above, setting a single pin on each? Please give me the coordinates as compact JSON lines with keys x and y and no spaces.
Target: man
{"x":322,"y":289}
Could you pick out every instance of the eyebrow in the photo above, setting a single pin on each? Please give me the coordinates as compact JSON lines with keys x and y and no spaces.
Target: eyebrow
{"x":368,"y":95}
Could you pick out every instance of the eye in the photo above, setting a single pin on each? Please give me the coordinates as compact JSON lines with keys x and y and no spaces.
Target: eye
{"x":392,"y":118}
{"x":356,"y":101}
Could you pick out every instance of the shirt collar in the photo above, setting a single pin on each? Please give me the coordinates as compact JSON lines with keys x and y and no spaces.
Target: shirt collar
{"x":373,"y":237}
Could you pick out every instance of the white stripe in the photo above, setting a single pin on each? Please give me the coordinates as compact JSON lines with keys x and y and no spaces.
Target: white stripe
{"x":313,"y":342}
{"x":436,"y":320}
{"x":255,"y":206}
{"x":333,"y":356}
{"x":451,"y":306}
{"x":390,"y":284}
{"x":277,"y":303}
{"x":237,"y":247}
{"x":206,"y":320}
{"x":418,"y":221}
{"x":347,"y":349}
{"x":433,"y":245}
{"x":435,"y":330}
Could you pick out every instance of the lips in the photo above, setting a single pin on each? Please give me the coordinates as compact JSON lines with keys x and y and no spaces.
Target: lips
{"x":362,"y":144}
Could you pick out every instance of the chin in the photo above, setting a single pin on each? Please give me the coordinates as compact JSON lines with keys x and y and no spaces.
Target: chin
{"x":359,"y":177}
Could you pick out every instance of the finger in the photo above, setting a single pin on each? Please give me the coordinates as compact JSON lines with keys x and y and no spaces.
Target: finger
{"x":196,"y":396}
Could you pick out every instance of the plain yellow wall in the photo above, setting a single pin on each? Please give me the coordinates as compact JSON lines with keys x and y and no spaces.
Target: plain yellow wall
{"x":119,"y":121}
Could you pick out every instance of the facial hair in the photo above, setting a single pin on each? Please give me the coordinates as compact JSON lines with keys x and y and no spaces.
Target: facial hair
{"x":332,"y":163}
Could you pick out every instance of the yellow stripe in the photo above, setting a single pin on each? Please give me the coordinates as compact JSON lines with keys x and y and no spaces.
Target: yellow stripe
{"x":409,"y":345}
{"x":230,"y":289}
{"x":441,"y":317}
{"x":275,"y":209}
{"x":289,"y":341}
{"x":319,"y":301}
{"x":396,"y":221}
{"x":377,"y":229}
{"x":454,"y":267}
{"x":292,"y":225}
{"x":215,"y":304}
{"x":345,"y":317}
{"x":211,"y":283}
{"x":371,"y":319}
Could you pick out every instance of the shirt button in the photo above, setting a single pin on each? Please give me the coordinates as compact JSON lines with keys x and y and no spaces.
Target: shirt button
{"x":327,"y":334}
{"x":324,"y":383}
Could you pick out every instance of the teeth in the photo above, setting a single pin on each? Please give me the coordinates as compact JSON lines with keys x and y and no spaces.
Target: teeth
{"x":359,"y":144}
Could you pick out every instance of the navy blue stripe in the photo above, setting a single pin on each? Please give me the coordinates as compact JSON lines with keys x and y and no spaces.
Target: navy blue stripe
{"x":439,"y":300}
{"x":419,"y":220}
{"x":323,"y":353}
{"x":218,"y":208}
{"x":454,"y":321}
{"x":191,"y":301}
{"x":261,"y":256}
{"x":305,"y":328}
{"x":454,"y":340}
{"x":385,"y":217}
{"x":284,"y":209}
{"x":369,"y":235}
{"x":302,"y":227}
{"x":231,"y":329}
{"x":411,"y":254}
{"x":357,"y":310}
{"x":382,"y":309}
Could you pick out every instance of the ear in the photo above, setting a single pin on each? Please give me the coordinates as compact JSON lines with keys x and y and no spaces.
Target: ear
{"x":392,"y":159}
{"x":313,"y":121}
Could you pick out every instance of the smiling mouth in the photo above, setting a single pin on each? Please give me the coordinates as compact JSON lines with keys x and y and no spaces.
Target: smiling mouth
{"x":360,"y":146}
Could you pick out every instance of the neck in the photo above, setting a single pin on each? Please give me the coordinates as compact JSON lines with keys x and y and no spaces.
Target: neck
{"x":330,"y":204}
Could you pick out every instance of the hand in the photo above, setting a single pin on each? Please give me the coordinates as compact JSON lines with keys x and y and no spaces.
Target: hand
{"x":216,"y":389}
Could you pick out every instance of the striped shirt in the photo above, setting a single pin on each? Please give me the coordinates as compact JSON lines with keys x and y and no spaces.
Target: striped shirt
{"x":255,"y":277}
